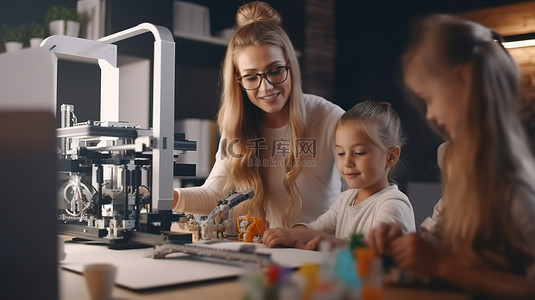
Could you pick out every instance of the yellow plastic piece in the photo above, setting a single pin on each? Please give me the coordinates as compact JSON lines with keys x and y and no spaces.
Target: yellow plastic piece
{"x":310,"y":272}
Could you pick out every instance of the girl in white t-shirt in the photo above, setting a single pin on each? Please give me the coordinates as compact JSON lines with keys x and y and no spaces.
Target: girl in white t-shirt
{"x":368,"y":144}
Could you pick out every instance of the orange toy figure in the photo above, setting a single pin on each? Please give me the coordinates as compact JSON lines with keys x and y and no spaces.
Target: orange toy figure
{"x":242,"y":223}
{"x":369,"y":269}
{"x":250,"y":227}
{"x":364,"y":258}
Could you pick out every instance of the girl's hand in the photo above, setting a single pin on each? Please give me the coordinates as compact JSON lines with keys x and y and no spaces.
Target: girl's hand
{"x":380,"y":237}
{"x":411,"y":251}
{"x":313,"y":244}
{"x":278,"y":236}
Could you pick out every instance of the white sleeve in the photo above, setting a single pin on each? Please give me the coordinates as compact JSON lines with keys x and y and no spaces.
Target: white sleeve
{"x":328,"y":220}
{"x":203,"y":199}
{"x":396,"y":211}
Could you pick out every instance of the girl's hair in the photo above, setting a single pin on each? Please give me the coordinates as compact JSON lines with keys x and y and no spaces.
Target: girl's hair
{"x":380,"y":122}
{"x":489,"y":163}
{"x":258,"y":24}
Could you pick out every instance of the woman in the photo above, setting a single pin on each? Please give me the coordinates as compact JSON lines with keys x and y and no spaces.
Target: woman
{"x":275,"y":139}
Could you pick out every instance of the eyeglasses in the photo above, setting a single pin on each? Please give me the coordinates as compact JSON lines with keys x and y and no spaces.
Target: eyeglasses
{"x":273,"y":76}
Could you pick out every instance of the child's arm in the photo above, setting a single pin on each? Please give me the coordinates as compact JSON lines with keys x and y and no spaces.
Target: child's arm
{"x":299,"y":236}
{"x":411,"y":251}
{"x":313,"y":244}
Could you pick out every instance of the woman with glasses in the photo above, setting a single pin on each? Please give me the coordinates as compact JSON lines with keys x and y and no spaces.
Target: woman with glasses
{"x":275,"y":139}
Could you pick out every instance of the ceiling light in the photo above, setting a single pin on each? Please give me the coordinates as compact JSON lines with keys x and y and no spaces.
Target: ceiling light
{"x":518,"y":41}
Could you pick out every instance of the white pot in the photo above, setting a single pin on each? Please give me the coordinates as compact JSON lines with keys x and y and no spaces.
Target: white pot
{"x":62,"y":27}
{"x":35,"y":42}
{"x":73,"y":28}
{"x":56,"y":27}
{"x":13,"y":46}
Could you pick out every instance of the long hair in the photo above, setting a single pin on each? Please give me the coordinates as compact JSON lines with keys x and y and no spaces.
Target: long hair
{"x":489,"y":163}
{"x":240,"y":121}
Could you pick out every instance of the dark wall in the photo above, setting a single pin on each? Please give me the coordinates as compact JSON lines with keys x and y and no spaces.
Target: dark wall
{"x":14,"y":12}
{"x":371,"y":36}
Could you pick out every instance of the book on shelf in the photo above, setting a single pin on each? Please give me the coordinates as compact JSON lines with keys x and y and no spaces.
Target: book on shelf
{"x":191,"y":18}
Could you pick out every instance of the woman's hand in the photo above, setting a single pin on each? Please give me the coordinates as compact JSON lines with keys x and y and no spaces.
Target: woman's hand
{"x":380,"y":237}
{"x":175,"y":198}
{"x":278,"y":236}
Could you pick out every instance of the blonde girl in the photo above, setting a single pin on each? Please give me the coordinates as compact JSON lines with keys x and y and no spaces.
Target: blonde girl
{"x":275,"y":139}
{"x":469,"y":84}
{"x":368,"y":141}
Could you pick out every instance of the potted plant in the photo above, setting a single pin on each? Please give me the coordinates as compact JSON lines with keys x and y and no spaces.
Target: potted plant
{"x":36,"y":33}
{"x":12,"y":36}
{"x":63,"y":20}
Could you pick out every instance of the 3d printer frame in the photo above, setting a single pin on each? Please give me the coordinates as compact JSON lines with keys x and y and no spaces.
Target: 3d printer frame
{"x":104,"y":164}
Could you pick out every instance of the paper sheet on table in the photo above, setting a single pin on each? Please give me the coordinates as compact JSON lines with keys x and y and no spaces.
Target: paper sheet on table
{"x":137,"y":270}
{"x":286,"y":257}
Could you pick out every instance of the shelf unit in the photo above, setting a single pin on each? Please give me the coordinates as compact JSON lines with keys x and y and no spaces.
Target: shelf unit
{"x":202,"y":38}
{"x":198,"y":58}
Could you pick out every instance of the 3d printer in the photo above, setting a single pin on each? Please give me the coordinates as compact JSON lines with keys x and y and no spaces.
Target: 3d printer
{"x":104,"y":165}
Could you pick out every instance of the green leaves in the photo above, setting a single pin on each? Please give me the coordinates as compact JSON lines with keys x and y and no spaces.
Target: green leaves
{"x":22,"y":33}
{"x":35,"y":30}
{"x":60,"y":12}
{"x":12,"y":33}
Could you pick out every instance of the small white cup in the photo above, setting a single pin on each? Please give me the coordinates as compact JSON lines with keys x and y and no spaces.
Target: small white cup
{"x":100,"y":280}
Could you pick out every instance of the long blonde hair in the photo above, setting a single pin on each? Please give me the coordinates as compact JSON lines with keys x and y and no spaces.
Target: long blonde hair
{"x":489,"y":163}
{"x":240,"y":121}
